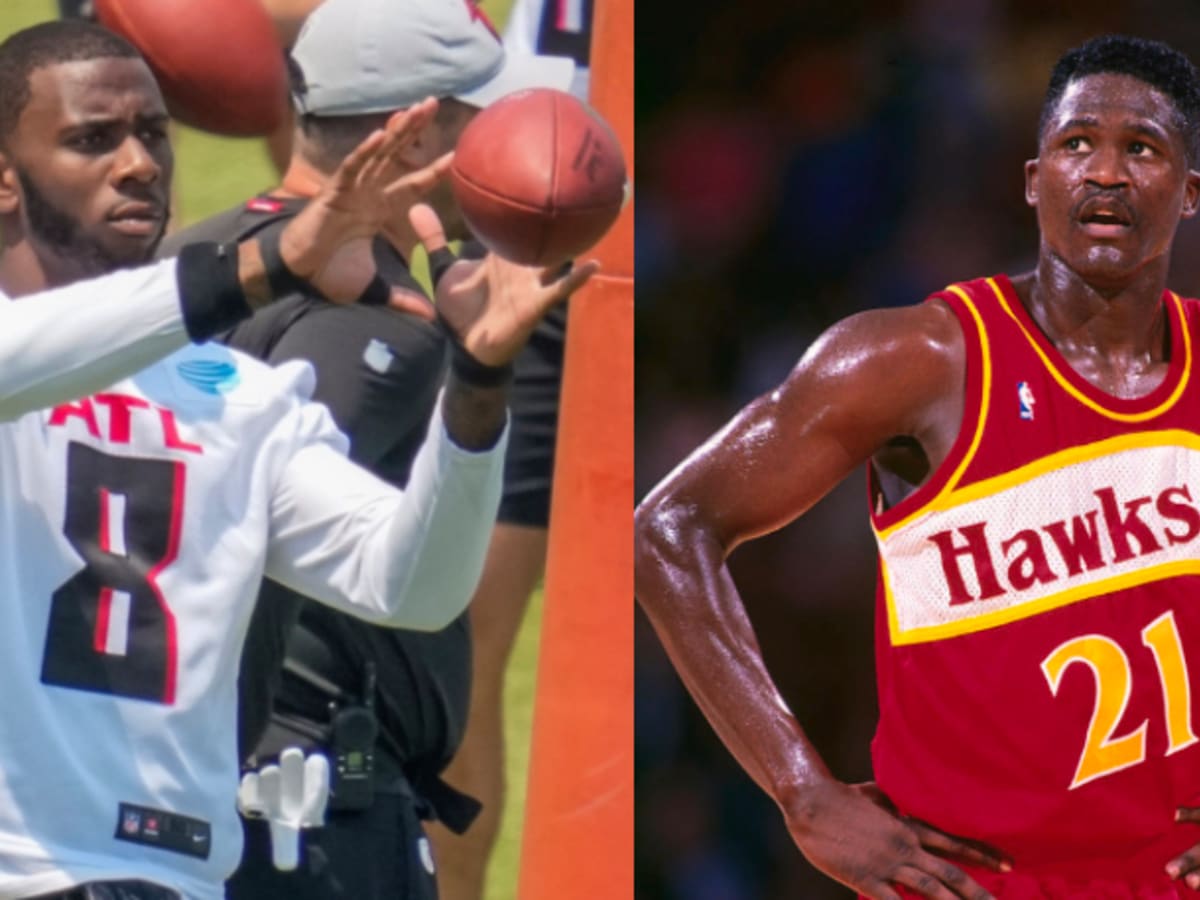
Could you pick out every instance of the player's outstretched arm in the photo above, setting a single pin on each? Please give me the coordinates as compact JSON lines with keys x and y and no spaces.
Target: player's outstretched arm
{"x":874,"y":377}
{"x":413,"y":558}
{"x":407,"y":558}
{"x":63,"y":343}
{"x":60,"y":344}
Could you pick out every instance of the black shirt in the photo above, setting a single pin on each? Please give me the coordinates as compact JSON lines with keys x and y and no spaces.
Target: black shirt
{"x":378,"y":371}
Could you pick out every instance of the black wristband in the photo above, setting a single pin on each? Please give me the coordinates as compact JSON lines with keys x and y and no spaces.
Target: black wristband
{"x":283,"y":281}
{"x":440,"y":261}
{"x":210,"y":293}
{"x":377,"y":293}
{"x":468,"y":369}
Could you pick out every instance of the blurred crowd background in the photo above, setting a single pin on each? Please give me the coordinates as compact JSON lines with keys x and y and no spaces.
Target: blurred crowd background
{"x":798,"y":162}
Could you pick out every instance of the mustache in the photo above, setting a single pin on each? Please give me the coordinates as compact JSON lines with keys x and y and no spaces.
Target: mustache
{"x":144,"y":193}
{"x":1103,"y":198}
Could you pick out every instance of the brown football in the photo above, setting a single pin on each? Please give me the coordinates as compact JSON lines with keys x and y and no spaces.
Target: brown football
{"x":218,"y":61}
{"x":539,"y":177}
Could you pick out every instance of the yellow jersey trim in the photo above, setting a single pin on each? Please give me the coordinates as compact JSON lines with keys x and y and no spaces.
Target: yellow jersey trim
{"x":981,"y":420}
{"x":1171,"y":437}
{"x":927,"y":633}
{"x":1083,"y":398}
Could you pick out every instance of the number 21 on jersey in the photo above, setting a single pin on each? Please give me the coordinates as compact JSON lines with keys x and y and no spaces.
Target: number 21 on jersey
{"x":1103,"y":753}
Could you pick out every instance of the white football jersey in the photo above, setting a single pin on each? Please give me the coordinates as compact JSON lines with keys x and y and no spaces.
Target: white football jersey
{"x":135,"y":526}
{"x":547,"y":27}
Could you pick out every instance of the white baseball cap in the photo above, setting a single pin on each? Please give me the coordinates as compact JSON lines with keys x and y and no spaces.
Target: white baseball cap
{"x":369,"y":56}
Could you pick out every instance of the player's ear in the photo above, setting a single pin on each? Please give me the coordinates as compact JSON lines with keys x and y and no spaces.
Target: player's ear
{"x":1191,"y":194}
{"x":10,"y":194}
{"x":1031,"y":181}
{"x":421,"y":130}
{"x":423,"y":148}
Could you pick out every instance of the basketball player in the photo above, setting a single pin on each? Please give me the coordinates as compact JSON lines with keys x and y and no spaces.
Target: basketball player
{"x":1033,"y":485}
{"x":140,"y":519}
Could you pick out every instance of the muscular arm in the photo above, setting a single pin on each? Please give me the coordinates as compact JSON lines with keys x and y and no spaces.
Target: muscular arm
{"x":870,"y":379}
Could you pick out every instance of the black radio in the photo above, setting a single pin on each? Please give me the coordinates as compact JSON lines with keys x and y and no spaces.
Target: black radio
{"x":348,"y":737}
{"x":352,"y":751}
{"x":353,"y":730}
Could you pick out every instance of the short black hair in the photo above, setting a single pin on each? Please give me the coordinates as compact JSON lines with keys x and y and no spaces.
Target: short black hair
{"x":331,"y":138}
{"x":48,"y":44}
{"x":1157,"y":64}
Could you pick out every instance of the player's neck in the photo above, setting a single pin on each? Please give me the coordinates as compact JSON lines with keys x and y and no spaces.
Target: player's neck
{"x":302,"y":179}
{"x":1124,"y":317}
{"x":22,"y":272}
{"x":1116,"y":337}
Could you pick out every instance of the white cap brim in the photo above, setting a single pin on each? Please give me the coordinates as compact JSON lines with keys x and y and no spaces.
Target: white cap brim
{"x":520,"y":72}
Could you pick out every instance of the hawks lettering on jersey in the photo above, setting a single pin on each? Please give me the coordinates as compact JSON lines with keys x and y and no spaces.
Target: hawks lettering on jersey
{"x":1106,"y":520}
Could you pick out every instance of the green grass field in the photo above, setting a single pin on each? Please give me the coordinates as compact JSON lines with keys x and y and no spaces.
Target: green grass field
{"x":213,"y":173}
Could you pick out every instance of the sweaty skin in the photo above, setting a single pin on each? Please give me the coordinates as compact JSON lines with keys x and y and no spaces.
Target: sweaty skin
{"x":1110,"y":185}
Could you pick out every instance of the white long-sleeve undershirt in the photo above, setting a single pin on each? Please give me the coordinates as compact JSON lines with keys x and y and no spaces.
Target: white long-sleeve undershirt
{"x":63,"y":343}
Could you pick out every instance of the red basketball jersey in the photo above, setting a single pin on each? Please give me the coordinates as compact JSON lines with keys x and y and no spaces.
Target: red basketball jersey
{"x":1038,"y":647}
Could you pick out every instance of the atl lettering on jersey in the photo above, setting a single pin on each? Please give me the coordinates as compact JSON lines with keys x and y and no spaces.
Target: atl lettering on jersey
{"x":117,"y":425}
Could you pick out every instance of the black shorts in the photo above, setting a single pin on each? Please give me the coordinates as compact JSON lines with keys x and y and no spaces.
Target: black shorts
{"x":529,"y":463}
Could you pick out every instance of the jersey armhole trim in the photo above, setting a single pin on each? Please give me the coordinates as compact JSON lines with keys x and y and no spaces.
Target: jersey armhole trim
{"x":1180,"y":337}
{"x":970,"y":434}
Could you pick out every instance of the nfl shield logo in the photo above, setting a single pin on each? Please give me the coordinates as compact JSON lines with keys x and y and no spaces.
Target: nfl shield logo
{"x":131,"y":822}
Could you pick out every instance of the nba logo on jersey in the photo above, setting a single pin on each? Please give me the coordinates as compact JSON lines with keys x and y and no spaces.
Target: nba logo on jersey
{"x":131,"y":822}
{"x":1025,"y":399}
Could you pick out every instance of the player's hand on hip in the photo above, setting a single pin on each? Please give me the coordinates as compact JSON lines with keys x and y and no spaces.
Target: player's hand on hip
{"x":493,"y":305}
{"x":1186,"y":866}
{"x":853,"y":835}
{"x":329,"y":242}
